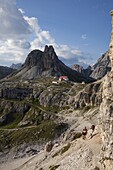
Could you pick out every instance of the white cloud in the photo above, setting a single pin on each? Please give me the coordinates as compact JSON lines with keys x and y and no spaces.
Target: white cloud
{"x":21,"y":10}
{"x":19,"y":34}
{"x":13,"y":23}
{"x":18,"y":44}
{"x":67,"y":52}
{"x":14,"y":33}
{"x":42,"y":37}
{"x":84,"y":36}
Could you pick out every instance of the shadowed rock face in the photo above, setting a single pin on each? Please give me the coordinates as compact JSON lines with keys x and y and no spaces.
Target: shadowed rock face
{"x":98,"y":70}
{"x":14,"y":92}
{"x":106,"y":115}
{"x":106,"y":123}
{"x":43,"y":60}
{"x":5,"y":71}
{"x":86,"y":72}
{"x":102,"y":66}
{"x":47,"y":64}
{"x":32,"y":58}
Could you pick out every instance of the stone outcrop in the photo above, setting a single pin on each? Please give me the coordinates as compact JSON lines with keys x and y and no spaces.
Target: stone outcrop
{"x":111,"y":42}
{"x":91,"y":95}
{"x":106,"y":116}
{"x":15,"y":92}
{"x":106,"y":123}
{"x":76,"y":96}
{"x":13,"y":107}
{"x":78,"y":68}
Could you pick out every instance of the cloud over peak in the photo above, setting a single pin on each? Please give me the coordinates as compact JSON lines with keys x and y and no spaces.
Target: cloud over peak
{"x":19,"y":34}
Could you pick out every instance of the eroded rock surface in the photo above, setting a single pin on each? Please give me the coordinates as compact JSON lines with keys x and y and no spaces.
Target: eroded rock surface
{"x":106,"y":115}
{"x":106,"y":122}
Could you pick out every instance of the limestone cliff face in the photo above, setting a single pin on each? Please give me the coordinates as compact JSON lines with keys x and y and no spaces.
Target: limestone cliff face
{"x":106,"y":115}
{"x":111,"y":42}
{"x":14,"y":92}
{"x":98,"y":70}
{"x":102,"y":66}
{"x":106,"y":123}
{"x":89,"y":96}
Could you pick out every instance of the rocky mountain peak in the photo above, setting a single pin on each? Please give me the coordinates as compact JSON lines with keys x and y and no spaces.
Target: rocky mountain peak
{"x":49,"y":53}
{"x":49,"y":49}
{"x":33,"y":58}
{"x":46,"y":63}
{"x":38,"y":58}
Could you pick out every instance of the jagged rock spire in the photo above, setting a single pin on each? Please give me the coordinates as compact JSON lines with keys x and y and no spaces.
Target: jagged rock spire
{"x":111,"y":42}
{"x":50,"y":51}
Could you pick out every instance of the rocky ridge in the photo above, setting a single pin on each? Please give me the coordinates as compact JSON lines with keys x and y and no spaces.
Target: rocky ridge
{"x":102,"y":66}
{"x":64,"y":95}
{"x":98,"y":70}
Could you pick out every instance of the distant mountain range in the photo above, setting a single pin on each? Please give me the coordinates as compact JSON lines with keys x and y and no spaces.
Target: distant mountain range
{"x":16,"y":66}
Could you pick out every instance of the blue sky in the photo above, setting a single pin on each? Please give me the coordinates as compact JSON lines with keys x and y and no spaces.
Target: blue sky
{"x":78,"y":29}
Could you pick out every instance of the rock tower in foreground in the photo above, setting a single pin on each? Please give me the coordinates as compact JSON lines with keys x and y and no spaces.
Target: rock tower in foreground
{"x":106,"y":115}
{"x":111,"y":42}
